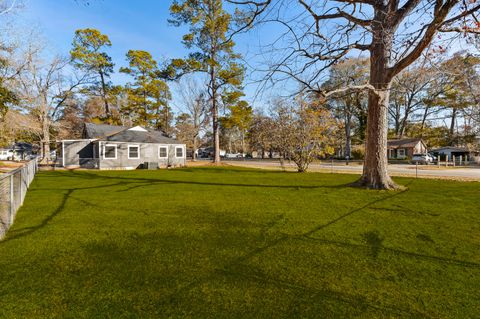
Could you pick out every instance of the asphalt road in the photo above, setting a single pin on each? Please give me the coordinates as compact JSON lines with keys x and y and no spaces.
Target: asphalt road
{"x":432,"y":171}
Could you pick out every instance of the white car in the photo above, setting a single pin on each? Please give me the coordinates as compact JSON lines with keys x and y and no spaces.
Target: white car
{"x":6,"y":155}
{"x":422,"y":158}
{"x":233,"y":155}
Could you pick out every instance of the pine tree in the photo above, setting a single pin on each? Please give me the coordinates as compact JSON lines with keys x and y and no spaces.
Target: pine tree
{"x":88,"y":54}
{"x":148,"y":95}
{"x":212,"y":53}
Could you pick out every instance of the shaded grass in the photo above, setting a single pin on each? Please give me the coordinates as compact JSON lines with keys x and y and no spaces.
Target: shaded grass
{"x":228,"y":242}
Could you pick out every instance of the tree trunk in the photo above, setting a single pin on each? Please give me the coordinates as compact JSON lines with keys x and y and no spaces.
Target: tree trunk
{"x":424,"y":120}
{"x":348,"y":138}
{"x":243,"y":143}
{"x":397,"y":120}
{"x":215,"y":126}
{"x":452,"y":123}
{"x":46,"y":141}
{"x":194,"y":149}
{"x":216,"y":133}
{"x":104,"y":94}
{"x":375,"y":168}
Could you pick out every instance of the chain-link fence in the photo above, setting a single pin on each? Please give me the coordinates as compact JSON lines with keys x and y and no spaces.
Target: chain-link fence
{"x":13,"y":188}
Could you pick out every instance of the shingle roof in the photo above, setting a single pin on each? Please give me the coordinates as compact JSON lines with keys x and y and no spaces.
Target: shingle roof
{"x":451,"y":148}
{"x":407,"y":142}
{"x":93,"y":131}
{"x":115,"y":133}
{"x":19,"y":146}
{"x":140,"y":137}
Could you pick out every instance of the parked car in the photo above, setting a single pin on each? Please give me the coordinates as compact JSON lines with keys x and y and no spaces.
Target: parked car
{"x":422,"y":158}
{"x":234,"y":155}
{"x":208,"y":152}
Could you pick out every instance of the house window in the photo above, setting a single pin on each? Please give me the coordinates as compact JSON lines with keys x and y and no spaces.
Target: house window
{"x":391,"y":153}
{"x":133,"y":152}
{"x":162,"y":152}
{"x":401,"y":152}
{"x":110,"y":151}
{"x":179,"y":152}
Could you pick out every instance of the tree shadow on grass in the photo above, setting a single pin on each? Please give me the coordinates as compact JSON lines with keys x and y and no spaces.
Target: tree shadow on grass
{"x":374,"y":241}
{"x":190,"y":182}
{"x":374,"y":245}
{"x":22,"y":232}
{"x":236,"y":267}
{"x":236,"y":262}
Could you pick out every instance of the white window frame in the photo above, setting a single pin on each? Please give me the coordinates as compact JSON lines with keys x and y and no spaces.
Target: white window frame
{"x":183,"y":152}
{"x":165,"y":147}
{"x":403,"y":153}
{"x":390,"y":153}
{"x":116,"y":151}
{"x":131,"y":146}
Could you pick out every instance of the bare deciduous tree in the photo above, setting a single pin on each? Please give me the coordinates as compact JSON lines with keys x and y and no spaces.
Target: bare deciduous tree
{"x":43,"y":88}
{"x":193,"y":102}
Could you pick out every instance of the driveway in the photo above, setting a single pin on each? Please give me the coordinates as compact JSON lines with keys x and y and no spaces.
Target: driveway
{"x":432,"y":171}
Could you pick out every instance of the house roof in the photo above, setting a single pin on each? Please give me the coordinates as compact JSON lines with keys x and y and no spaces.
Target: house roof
{"x":18,"y":146}
{"x":452,"y":149}
{"x":406,"y":142}
{"x":93,"y":131}
{"x":135,"y":134}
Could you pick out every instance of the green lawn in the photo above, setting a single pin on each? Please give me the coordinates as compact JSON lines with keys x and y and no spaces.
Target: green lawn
{"x":238,"y":243}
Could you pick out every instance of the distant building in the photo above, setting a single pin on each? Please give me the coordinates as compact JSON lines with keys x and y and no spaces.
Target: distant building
{"x":119,"y":147}
{"x":450,"y":151}
{"x":17,"y":151}
{"x":405,"y":148}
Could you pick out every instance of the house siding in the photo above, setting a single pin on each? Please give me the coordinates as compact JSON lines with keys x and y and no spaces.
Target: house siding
{"x":148,"y":153}
{"x":76,"y":153}
{"x":419,"y":148}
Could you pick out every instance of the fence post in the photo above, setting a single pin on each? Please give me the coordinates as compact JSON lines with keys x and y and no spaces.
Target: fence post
{"x":438,"y":160}
{"x":453,"y":160}
{"x":12,"y":208}
{"x":21,"y":185}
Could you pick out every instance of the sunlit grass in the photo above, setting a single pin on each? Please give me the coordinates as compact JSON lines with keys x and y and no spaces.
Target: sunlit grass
{"x":224,"y":242}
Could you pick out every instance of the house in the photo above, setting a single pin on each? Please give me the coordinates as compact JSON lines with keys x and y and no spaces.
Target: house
{"x":450,"y":151}
{"x":17,"y":151}
{"x":118,"y":147}
{"x":405,"y":148}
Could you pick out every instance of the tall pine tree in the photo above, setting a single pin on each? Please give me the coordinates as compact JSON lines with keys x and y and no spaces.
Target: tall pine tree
{"x":148,"y":95}
{"x":88,"y":54}
{"x":212,"y":53}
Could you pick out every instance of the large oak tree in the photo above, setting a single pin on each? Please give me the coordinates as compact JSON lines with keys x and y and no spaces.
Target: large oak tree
{"x":393,"y":33}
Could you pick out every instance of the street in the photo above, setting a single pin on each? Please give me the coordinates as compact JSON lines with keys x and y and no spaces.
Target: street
{"x":431,"y":171}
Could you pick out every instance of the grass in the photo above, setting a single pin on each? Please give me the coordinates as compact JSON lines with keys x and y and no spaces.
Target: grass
{"x":228,"y":242}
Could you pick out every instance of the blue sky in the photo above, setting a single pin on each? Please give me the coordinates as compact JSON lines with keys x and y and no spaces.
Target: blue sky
{"x":139,"y":25}
{"x":143,"y":25}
